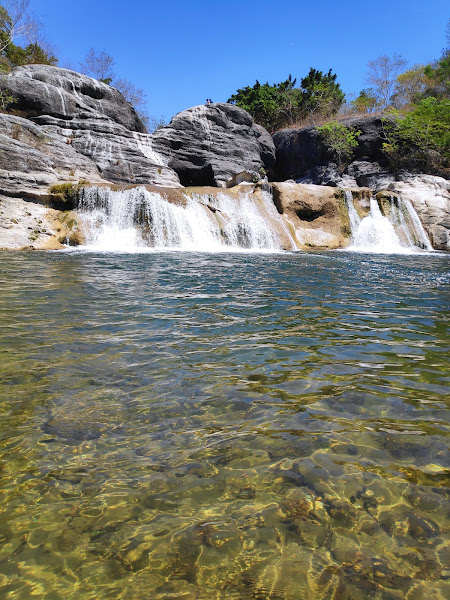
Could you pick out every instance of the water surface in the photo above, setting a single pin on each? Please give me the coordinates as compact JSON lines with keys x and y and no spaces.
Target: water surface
{"x":243,"y":426}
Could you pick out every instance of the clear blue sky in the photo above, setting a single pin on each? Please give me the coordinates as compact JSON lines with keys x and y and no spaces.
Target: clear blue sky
{"x":182,"y":52}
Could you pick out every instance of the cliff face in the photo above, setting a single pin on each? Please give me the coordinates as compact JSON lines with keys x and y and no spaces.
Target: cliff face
{"x":75,"y":121}
{"x":301,"y":155}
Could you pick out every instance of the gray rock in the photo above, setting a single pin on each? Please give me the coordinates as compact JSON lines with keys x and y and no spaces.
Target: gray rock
{"x":65,"y":94}
{"x":91,"y":119}
{"x":369,"y":174}
{"x":32,"y":160}
{"x":301,"y":152}
{"x":216,"y":145}
{"x":430,"y":197}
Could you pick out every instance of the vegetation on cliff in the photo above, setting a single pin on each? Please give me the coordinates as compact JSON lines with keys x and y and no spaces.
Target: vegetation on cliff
{"x":282,"y":104}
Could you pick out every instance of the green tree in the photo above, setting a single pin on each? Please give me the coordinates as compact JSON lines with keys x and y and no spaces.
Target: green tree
{"x":366,"y":102}
{"x":6,"y":99}
{"x":422,"y":137}
{"x":15,"y":25}
{"x":282,"y":104}
{"x":321,"y":95}
{"x":272,"y":106}
{"x":341,"y":140}
{"x":438,"y":75}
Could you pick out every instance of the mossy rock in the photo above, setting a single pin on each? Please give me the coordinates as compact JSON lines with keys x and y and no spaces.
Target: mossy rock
{"x":65,"y":196}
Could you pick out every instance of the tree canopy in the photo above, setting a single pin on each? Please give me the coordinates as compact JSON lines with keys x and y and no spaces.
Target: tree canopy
{"x":282,"y":104}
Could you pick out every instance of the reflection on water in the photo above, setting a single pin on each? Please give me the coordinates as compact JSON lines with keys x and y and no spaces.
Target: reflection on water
{"x":237,"y":426}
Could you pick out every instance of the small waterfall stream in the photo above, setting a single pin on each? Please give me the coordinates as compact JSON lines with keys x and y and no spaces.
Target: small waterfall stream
{"x":402,"y":233}
{"x":136,"y":219}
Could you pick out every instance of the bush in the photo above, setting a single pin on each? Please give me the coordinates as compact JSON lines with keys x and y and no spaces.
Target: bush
{"x":341,"y":140}
{"x":421,"y":139}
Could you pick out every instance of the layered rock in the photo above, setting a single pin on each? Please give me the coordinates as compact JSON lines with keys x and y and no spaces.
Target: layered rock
{"x":28,"y":225}
{"x":88,"y":118}
{"x":430,"y":196}
{"x":216,"y":145}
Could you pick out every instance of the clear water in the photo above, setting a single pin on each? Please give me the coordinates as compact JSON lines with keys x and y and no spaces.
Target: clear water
{"x":198,"y":426}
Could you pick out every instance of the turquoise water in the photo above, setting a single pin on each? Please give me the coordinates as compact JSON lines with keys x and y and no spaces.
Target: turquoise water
{"x":243,"y":426}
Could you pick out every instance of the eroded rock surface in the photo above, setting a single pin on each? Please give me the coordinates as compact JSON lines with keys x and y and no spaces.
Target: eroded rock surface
{"x":31,"y":226}
{"x":92,"y":119}
{"x":215,"y":145}
{"x":430,"y":196}
{"x":317,"y":214}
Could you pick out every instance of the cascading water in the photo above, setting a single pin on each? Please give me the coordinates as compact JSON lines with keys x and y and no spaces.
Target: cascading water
{"x":135,"y":219}
{"x":376,"y":233}
{"x":355,"y":219}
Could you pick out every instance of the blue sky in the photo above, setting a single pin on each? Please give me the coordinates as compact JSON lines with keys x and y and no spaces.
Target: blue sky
{"x":181,"y":53}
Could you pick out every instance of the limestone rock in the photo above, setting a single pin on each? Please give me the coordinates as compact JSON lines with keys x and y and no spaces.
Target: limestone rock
{"x":32,"y":160}
{"x":216,"y":145}
{"x":430,"y":196}
{"x":28,"y":225}
{"x":93,"y":119}
{"x":317,"y":214}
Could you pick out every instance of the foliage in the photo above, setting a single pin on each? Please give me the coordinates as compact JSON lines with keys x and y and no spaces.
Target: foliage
{"x":67,"y":194}
{"x":321,"y":95}
{"x":16,"y":23}
{"x":6,"y":99}
{"x":438,"y":75}
{"x":382,"y":74}
{"x":341,"y":140}
{"x":281,"y":104}
{"x":410,"y":86}
{"x":422,"y":137}
{"x":366,"y":102}
{"x":16,"y":56}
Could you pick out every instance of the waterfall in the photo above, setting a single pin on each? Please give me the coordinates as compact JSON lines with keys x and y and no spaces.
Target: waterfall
{"x":402,"y":233}
{"x":408,"y":224}
{"x":355,"y":219}
{"x":137,"y":219}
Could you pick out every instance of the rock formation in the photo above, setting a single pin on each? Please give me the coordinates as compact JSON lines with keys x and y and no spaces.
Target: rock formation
{"x":430,"y":196}
{"x":216,"y":144}
{"x":77,"y":115}
{"x":301,"y":155}
{"x":317,"y":214}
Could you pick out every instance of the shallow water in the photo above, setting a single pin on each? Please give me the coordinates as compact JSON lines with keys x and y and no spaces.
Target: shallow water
{"x":197,"y":426}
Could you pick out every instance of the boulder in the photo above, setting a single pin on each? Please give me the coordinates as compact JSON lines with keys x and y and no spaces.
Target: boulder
{"x":215,"y":145}
{"x":317,"y":214}
{"x":90,"y":118}
{"x":430,"y":196}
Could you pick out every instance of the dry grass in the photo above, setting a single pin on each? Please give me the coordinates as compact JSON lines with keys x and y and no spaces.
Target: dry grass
{"x":319,"y":120}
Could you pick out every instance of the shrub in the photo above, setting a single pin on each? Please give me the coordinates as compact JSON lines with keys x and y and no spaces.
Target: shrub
{"x":341,"y":140}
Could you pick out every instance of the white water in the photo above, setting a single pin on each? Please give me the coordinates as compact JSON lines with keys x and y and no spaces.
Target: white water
{"x":375,"y":233}
{"x":138,"y":219}
{"x":355,"y":219}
